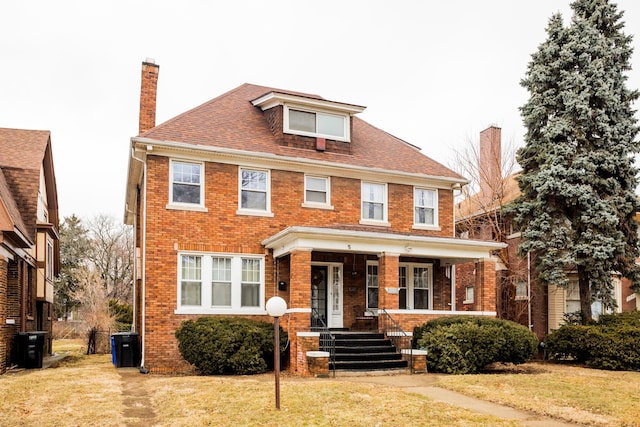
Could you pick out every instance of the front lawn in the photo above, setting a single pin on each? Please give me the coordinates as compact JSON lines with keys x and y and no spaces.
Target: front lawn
{"x":576,"y":394}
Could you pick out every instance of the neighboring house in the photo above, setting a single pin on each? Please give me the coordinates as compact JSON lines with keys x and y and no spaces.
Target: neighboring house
{"x":29,"y":250}
{"x":519,"y":297}
{"x":262,"y":192}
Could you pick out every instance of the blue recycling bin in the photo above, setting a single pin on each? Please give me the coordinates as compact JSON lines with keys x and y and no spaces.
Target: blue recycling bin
{"x":113,"y":350}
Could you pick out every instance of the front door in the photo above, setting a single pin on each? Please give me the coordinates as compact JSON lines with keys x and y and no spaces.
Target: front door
{"x":326,"y":295}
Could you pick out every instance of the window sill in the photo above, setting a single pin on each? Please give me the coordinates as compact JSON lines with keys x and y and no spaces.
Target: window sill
{"x":467,"y":302}
{"x":194,"y":208}
{"x":374,"y":222}
{"x":426,"y":227}
{"x":247,"y":212}
{"x":317,"y":206}
{"x":230,"y":311}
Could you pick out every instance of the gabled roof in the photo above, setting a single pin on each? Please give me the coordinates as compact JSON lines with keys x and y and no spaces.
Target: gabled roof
{"x":10,"y":219}
{"x":476,"y":205}
{"x":23,"y":154}
{"x":231,"y":121}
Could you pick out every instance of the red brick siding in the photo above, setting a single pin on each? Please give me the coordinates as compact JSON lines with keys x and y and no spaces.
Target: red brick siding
{"x":222,"y":230}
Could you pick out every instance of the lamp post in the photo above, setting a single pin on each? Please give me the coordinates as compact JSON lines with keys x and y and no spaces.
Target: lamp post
{"x":276,"y":307}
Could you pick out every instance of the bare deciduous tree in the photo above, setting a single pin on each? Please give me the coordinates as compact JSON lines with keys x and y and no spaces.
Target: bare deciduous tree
{"x":112,"y":256}
{"x":491,"y":168}
{"x":94,"y":309}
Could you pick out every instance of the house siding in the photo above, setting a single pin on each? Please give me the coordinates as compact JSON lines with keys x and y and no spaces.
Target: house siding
{"x":221,"y":229}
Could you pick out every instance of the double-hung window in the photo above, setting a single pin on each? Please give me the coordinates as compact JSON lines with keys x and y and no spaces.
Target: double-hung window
{"x":255,"y":197}
{"x":374,"y":202}
{"x":220,"y":283}
{"x":187,"y":187}
{"x":372,"y":285}
{"x":191,"y":280}
{"x":425,"y":207}
{"x":317,"y":191}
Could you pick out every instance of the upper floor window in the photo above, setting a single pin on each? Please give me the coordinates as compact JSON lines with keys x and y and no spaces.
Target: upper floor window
{"x":255,"y":197}
{"x":374,"y":202}
{"x":317,"y":124}
{"x":186,"y":183}
{"x":317,"y":191}
{"x":425,"y":204}
{"x":220,"y":283}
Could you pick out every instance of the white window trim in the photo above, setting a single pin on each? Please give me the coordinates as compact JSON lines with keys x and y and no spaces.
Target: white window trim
{"x":469,"y":301}
{"x":419,"y":226}
{"x":347,"y":126}
{"x":366,"y":285}
{"x":254,"y":212}
{"x":409,"y":268}
{"x":318,"y":205}
{"x":205,"y":306}
{"x":199,"y":207}
{"x":385,"y":211}
{"x":409,"y":289}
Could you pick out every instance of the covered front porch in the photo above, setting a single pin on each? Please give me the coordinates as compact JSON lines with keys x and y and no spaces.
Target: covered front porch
{"x":339,"y":278}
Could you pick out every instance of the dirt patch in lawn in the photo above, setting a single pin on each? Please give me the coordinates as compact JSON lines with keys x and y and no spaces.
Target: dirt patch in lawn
{"x":138,"y":408}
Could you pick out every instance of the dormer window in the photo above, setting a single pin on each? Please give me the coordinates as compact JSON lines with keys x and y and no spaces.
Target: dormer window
{"x":312,"y":116}
{"x":316,"y":124}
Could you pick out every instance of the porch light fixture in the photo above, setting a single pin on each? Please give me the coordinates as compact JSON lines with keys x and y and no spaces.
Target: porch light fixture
{"x":276,"y":307}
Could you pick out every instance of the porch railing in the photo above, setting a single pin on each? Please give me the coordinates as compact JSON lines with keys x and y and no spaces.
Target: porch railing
{"x":327,"y":339}
{"x":393,"y":331}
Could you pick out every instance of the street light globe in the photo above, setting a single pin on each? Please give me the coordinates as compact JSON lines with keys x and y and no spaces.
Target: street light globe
{"x":276,"y":306}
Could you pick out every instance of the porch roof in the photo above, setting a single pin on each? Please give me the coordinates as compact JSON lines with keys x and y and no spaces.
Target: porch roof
{"x":449,"y":250}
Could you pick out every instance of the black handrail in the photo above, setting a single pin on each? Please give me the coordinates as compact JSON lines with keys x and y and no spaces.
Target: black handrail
{"x":393,"y":331}
{"x":327,"y":339}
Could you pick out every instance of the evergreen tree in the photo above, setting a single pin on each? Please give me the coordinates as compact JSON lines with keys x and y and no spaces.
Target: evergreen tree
{"x":74,"y":247}
{"x":578,"y":181}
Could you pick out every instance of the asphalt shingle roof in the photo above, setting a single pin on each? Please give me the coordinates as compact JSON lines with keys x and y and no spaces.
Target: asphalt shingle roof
{"x":231,"y":121}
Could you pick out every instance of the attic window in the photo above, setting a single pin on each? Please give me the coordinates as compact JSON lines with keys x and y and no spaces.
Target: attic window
{"x":316,"y":124}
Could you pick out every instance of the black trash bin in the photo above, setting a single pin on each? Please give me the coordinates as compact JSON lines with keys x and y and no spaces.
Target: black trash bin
{"x":127,"y":350}
{"x":30,"y":349}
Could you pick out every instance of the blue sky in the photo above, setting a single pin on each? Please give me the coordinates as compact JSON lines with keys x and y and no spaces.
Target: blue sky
{"x":434,"y":73}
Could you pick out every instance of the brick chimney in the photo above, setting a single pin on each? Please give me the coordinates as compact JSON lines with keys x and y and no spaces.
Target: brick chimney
{"x":148,"y":90}
{"x":490,"y":163}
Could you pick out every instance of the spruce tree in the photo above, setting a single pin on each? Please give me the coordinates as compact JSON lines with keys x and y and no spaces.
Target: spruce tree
{"x":578,"y":182}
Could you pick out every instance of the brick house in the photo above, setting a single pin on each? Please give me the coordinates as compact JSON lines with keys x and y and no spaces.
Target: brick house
{"x":262,"y":192}
{"x":29,"y":250}
{"x":519,"y":297}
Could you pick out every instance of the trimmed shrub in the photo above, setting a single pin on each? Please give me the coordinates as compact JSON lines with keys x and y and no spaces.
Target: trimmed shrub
{"x":467,"y":344}
{"x":612,"y":343}
{"x":218,"y":346}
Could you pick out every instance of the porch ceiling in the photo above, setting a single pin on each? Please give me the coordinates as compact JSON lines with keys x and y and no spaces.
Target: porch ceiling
{"x":450,"y":250}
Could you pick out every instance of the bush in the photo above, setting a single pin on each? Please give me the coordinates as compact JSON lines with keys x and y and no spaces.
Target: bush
{"x":219,"y":346}
{"x":613,"y":342}
{"x":466,"y":344}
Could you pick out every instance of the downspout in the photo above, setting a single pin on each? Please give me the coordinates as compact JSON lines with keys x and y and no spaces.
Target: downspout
{"x":143,"y":233}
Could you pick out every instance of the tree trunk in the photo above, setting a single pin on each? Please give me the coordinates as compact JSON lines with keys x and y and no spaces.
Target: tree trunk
{"x":585,"y":293}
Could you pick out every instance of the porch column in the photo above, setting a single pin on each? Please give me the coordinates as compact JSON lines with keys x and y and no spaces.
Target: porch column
{"x":299,"y":301}
{"x":388,"y":286}
{"x":485,"y":285}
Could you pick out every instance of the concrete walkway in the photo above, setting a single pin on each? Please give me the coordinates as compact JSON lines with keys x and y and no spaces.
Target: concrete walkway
{"x":426,"y":384}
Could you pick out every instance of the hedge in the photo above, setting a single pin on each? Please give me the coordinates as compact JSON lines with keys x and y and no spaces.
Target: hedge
{"x":612,"y":342}
{"x":467,"y":344}
{"x":217,"y":345}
